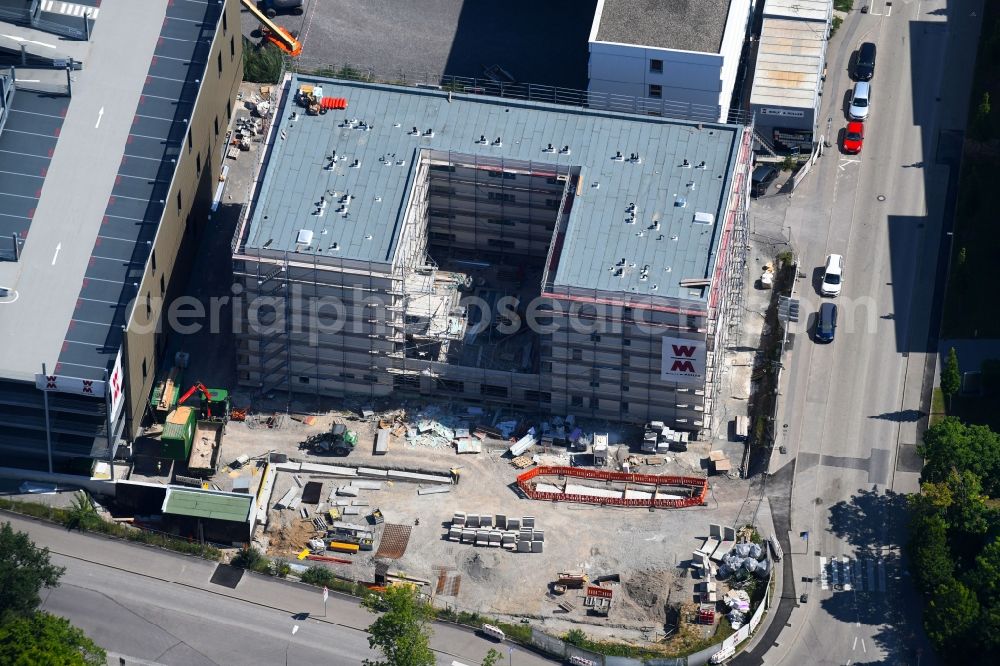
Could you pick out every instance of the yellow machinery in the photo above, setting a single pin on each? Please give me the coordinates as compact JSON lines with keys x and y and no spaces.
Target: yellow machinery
{"x":273,"y":32}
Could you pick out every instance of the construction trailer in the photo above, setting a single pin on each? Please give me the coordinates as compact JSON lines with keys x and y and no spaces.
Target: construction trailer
{"x":178,"y":433}
{"x":467,"y":268}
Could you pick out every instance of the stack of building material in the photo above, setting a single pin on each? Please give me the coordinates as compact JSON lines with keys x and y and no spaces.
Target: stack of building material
{"x":513,"y":534}
{"x":719,"y":462}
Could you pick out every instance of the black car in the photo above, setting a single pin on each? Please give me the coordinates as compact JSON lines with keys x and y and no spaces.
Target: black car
{"x":864,"y":66}
{"x":761,"y":179}
{"x":826,"y":322}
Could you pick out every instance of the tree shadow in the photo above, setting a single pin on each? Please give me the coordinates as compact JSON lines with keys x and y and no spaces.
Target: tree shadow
{"x":902,"y":416}
{"x":875,"y":524}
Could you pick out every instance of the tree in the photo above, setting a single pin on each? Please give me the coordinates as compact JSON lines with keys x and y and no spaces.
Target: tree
{"x":24,"y":570}
{"x":402,"y":632}
{"x":41,"y":638}
{"x":951,"y":377}
{"x":986,"y":573}
{"x":261,"y":64}
{"x":492,"y":658}
{"x":950,"y":444}
{"x":932,"y":562}
{"x":951,"y":611}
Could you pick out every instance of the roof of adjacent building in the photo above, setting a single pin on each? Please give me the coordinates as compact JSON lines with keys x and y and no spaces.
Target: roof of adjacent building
{"x":216,"y":505}
{"x":684,"y":25}
{"x":84,"y":178}
{"x":807,"y":10}
{"x":598,"y":234}
{"x":790,"y":58}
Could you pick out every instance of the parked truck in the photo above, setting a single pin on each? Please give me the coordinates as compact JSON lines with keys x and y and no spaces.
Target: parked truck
{"x":204,"y":460}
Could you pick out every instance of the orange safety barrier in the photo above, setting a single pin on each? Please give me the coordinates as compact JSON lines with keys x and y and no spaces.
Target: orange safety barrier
{"x":698,"y":487}
{"x":333,"y":103}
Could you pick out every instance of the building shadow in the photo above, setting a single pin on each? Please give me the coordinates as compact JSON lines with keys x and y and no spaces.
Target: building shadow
{"x":533,"y":42}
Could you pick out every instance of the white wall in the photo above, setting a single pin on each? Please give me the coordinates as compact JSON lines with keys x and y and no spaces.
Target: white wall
{"x":688,"y":77}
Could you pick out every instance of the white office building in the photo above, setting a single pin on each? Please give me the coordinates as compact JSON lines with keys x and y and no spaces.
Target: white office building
{"x":678,"y":58}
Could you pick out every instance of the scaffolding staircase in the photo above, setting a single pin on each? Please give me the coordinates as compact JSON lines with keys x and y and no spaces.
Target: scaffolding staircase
{"x":274,"y":346}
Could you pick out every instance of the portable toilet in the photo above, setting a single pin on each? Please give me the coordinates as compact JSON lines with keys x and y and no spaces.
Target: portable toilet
{"x":600,"y":449}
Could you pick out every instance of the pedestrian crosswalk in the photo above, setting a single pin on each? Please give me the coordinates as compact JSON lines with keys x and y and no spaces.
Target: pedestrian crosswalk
{"x":69,"y":8}
{"x":846,"y":574}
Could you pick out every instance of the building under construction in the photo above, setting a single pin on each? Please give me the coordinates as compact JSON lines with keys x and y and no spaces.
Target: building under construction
{"x":500,"y":252}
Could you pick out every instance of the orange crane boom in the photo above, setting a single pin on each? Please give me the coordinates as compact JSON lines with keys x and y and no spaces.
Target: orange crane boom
{"x":275,"y":33}
{"x":198,"y":386}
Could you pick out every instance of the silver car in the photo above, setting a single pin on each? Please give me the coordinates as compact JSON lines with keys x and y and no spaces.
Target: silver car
{"x":860,"y":101}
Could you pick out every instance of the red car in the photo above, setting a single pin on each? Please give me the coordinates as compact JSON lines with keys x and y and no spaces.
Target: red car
{"x":854,"y":137}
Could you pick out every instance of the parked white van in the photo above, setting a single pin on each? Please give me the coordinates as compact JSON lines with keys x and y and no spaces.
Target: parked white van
{"x":494,"y":632}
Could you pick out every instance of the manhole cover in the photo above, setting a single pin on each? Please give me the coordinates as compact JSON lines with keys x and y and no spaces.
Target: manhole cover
{"x":881,"y":197}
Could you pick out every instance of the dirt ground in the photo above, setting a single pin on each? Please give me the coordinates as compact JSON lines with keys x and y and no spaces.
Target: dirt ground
{"x":648,"y":549}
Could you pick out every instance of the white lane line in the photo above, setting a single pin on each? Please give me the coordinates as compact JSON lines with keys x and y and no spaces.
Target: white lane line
{"x":100,"y":114}
{"x":855,"y":646}
{"x":888,"y":10}
{"x":56,"y":255}
{"x":863,"y":646}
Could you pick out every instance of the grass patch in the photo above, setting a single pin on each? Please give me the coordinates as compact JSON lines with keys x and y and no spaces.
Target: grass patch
{"x":938,"y":408}
{"x":84,"y":520}
{"x":843,"y":5}
{"x":976,"y":243}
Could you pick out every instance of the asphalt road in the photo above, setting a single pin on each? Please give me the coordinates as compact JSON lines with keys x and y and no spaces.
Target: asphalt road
{"x":152,"y":606}
{"x":850,"y":412}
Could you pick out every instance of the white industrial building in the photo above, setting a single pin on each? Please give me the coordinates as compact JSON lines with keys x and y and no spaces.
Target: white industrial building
{"x":789,"y":73}
{"x":678,"y":58}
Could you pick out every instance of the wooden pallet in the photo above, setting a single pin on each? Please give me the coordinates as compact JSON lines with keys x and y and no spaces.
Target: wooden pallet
{"x":521,"y":462}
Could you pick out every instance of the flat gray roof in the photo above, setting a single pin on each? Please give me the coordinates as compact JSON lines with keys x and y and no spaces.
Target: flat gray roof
{"x":804,"y":10}
{"x":91,"y":173}
{"x":597,"y":235}
{"x":790,"y":58}
{"x":684,"y":25}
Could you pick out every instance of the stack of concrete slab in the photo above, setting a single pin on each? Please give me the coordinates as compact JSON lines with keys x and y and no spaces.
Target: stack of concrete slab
{"x":497,"y":531}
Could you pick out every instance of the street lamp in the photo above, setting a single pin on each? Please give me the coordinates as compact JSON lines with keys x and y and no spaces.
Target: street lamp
{"x":295,"y":629}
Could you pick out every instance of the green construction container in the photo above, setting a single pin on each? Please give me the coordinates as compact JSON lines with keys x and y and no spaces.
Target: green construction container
{"x":219,"y":404}
{"x":178,"y":433}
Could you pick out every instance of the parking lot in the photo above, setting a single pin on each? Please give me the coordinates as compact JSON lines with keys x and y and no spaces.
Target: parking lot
{"x":535,"y":42}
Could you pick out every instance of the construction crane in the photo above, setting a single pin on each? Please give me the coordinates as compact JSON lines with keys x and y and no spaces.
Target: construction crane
{"x":198,"y":386}
{"x":273,"y":32}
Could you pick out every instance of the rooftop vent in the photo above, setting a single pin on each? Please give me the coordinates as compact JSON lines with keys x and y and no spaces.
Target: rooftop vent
{"x":618,"y":157}
{"x":701,"y":165}
{"x":497,"y":142}
{"x":634,"y":158}
{"x":680,"y":202}
{"x":429,"y":132}
{"x":335,"y":247}
{"x":356,"y":164}
{"x":565,"y":150}
{"x":482,"y":140}
{"x":305,"y":237}
{"x":685,"y":164}
{"x":549,"y":149}
{"x":414,"y":132}
{"x":704,"y":218}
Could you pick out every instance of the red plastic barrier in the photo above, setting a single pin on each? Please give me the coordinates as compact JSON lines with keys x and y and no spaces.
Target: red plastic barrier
{"x":698,"y":486}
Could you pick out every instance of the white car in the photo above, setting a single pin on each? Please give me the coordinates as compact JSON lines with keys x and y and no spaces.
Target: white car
{"x":861,"y":99}
{"x":833,"y":276}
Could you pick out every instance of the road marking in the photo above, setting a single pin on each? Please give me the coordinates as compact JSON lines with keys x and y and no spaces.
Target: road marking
{"x":888,"y":10}
{"x":863,"y":646}
{"x":855,"y":646}
{"x":844,"y":161}
{"x":100,"y":114}
{"x":881,"y":575}
{"x":822,"y":574}
{"x":69,"y":9}
{"x":28,"y":41}
{"x":56,"y":255}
